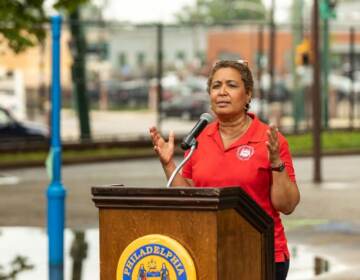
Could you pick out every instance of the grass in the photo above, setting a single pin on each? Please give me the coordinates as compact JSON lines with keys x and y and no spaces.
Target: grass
{"x":73,"y":155}
{"x":339,"y":141}
{"x":346,"y":141}
{"x":291,"y":224}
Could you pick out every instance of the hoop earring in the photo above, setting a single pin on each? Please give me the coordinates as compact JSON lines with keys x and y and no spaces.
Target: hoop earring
{"x":247,"y":106}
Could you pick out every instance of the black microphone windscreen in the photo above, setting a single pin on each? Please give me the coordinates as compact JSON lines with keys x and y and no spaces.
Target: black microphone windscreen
{"x":206,"y":116}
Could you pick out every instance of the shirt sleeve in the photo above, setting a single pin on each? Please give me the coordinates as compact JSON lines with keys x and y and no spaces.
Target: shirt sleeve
{"x":285,"y":156}
{"x":186,"y":171}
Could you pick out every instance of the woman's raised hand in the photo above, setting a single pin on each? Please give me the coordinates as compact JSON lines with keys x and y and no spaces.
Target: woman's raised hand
{"x":273,"y":145}
{"x":165,"y":150}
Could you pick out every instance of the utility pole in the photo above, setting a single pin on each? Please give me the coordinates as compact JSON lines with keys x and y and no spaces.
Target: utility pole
{"x":259,"y":70}
{"x":297,"y":31}
{"x":351,"y":73}
{"x":272,"y":49}
{"x":327,"y":12}
{"x":325,"y":71}
{"x":159,"y":33}
{"x":79,"y":73}
{"x":316,"y":93}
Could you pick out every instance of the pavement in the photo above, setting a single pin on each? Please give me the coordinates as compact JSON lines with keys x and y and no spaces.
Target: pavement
{"x":110,"y":124}
{"x":325,"y":225}
{"x":115,"y":124}
{"x":326,"y":222}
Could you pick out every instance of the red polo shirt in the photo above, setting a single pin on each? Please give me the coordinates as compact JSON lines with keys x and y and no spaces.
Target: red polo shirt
{"x":245,"y":163}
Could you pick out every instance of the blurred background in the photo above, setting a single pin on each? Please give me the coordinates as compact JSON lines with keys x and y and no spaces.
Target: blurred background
{"x":129,"y":65}
{"x":116,"y":60}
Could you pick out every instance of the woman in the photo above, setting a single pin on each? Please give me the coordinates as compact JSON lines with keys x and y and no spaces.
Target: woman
{"x":164,"y":273}
{"x":142,"y":273}
{"x":248,"y":153}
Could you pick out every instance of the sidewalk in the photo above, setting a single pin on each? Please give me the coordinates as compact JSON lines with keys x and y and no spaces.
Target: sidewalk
{"x":327,"y":219}
{"x":110,"y":124}
{"x":115,"y":124}
{"x":326,"y":222}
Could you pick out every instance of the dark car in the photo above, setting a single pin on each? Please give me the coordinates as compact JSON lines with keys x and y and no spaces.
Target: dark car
{"x":12,"y":129}
{"x":130,"y":94}
{"x":186,"y":107}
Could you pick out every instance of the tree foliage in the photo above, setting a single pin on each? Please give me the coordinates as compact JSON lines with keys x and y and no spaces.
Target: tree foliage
{"x":22,"y":22}
{"x":215,"y":11}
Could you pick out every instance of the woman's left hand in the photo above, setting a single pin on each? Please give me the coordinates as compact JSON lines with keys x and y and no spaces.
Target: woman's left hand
{"x":284,"y":193}
{"x":273,"y":145}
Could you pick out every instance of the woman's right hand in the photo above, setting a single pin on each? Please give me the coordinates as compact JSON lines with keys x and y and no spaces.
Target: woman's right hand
{"x":165,"y":150}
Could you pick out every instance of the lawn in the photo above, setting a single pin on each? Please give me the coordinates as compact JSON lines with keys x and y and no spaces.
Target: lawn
{"x":332,"y":142}
{"x":301,"y":145}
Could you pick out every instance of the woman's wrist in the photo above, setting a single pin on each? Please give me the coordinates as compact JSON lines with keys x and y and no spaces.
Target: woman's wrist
{"x":276,"y":162}
{"x":170,"y":165}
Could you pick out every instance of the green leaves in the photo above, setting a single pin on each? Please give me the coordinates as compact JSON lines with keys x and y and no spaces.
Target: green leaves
{"x":69,"y":5}
{"x":219,"y":11}
{"x":22,"y":23}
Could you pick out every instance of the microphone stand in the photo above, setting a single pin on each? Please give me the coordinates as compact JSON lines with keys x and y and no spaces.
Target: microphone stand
{"x":193,"y":146}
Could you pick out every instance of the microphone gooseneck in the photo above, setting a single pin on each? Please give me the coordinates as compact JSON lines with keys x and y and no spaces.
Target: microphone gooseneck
{"x":172,"y":177}
{"x":189,"y":142}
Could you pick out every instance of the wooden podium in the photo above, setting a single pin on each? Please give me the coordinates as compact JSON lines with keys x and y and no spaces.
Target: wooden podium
{"x":228,"y":236}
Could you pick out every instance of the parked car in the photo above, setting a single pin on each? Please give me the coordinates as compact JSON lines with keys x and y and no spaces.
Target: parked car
{"x":131,"y":94}
{"x":12,"y":129}
{"x":186,"y":107}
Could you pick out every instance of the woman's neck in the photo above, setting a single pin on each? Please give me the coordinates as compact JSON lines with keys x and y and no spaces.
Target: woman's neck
{"x":231,"y":129}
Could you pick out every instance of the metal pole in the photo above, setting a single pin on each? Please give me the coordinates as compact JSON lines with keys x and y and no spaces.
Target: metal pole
{"x":272,"y":50}
{"x":325,"y":71}
{"x":56,"y":192}
{"x":159,"y":72}
{"x":298,"y":36}
{"x":78,"y":42}
{"x":259,"y":70}
{"x":316,"y":93}
{"x":352,"y":68}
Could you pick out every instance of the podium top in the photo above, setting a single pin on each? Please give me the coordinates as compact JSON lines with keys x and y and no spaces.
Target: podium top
{"x":118,"y":196}
{"x":181,"y":198}
{"x":187,"y":198}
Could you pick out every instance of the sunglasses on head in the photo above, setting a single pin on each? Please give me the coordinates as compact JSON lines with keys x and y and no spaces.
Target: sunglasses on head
{"x":239,"y":61}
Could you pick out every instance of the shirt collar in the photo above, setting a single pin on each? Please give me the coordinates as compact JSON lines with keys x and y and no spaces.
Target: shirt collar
{"x":255,"y":133}
{"x":257,"y":130}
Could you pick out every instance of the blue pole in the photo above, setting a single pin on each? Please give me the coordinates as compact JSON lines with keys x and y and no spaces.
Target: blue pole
{"x":56,"y":192}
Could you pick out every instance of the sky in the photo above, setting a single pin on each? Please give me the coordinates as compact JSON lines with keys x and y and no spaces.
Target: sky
{"x":139,"y":11}
{"x":142,"y":11}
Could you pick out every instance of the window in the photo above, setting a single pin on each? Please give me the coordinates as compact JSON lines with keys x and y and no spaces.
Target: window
{"x":122,"y":59}
{"x":200,"y":55}
{"x":180,"y":55}
{"x":140,"y":59}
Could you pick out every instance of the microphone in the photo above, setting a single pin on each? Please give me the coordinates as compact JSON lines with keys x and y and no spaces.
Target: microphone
{"x":205,"y":119}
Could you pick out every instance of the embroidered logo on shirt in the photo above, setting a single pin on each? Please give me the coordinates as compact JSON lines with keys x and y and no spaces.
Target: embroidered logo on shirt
{"x":245,"y":152}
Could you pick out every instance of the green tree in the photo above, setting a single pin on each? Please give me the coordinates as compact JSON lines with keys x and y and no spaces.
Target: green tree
{"x":215,"y":11}
{"x":22,"y":25}
{"x":22,"y":21}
